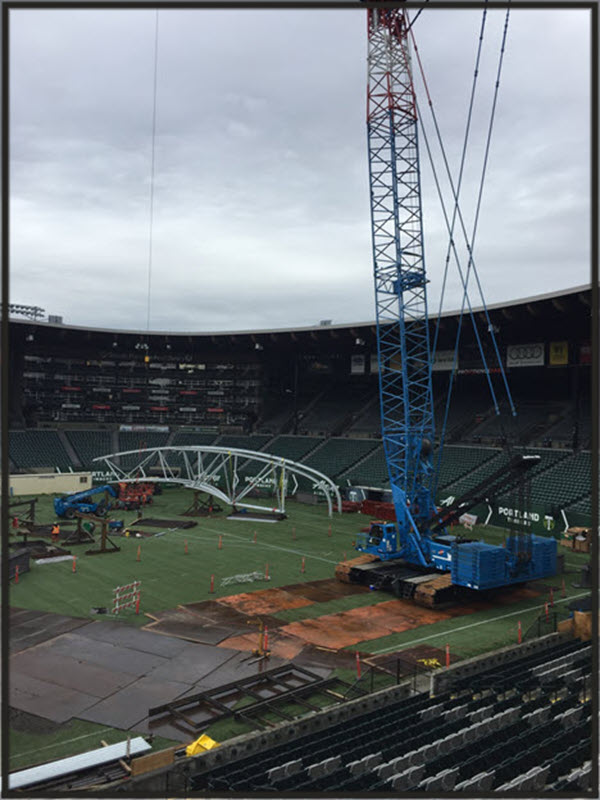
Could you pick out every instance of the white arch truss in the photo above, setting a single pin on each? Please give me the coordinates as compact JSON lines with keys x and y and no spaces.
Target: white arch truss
{"x":216,"y":471}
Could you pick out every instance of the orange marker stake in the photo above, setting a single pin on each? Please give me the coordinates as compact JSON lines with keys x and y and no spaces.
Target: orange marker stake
{"x":254,"y":537}
{"x":212,"y":584}
{"x":139,"y":553}
{"x":17,"y":573}
{"x":220,"y":542}
{"x":185,"y":547}
{"x":266,"y":640}
{"x":357,"y":665}
{"x":137,"y":605}
{"x":74,"y":563}
{"x":302,"y":568}
{"x":447,"y":655}
{"x":294,"y":533}
{"x":519,"y":633}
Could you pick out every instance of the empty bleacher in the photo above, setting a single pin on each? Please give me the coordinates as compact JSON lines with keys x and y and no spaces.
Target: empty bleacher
{"x":371,"y":471}
{"x":89,"y":444}
{"x":38,"y":449}
{"x":520,"y":723}
{"x":337,"y":455}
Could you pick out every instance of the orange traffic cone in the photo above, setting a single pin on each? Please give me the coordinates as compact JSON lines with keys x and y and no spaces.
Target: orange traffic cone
{"x":220,"y":542}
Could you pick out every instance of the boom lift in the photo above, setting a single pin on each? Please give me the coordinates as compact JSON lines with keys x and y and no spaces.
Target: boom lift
{"x":68,"y":505}
{"x":418,"y":539}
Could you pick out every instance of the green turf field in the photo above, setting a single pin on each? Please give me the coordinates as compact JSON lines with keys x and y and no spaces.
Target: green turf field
{"x":169,"y":576}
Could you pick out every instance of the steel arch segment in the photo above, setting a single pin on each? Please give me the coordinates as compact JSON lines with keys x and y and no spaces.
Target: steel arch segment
{"x":318,"y":478}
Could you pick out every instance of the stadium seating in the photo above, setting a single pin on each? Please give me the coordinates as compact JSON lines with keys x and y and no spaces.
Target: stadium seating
{"x":255,"y":442}
{"x":459,"y":460}
{"x":34,"y":449}
{"x":293,"y":447}
{"x":371,"y":471}
{"x":517,"y":728}
{"x":187,"y":439}
{"x":337,"y":455}
{"x":89,"y":444}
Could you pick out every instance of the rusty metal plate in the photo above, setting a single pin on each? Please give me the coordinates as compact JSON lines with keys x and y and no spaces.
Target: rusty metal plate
{"x":265,"y":601}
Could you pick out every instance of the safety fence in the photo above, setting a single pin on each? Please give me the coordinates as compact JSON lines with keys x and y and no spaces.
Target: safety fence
{"x":126,"y":597}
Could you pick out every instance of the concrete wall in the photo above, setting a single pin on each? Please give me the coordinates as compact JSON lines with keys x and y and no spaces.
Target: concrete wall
{"x":49,"y":483}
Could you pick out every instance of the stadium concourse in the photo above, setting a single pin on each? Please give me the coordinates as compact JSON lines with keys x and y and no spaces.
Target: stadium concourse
{"x":517,"y":719}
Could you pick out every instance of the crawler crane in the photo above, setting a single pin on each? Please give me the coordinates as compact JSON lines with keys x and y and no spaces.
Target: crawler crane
{"x":403,"y":554}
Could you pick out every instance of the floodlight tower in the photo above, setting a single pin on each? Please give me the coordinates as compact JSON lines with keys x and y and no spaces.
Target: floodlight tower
{"x":400,"y":281}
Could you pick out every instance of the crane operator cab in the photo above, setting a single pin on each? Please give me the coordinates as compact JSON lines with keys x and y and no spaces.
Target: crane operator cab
{"x":380,"y":540}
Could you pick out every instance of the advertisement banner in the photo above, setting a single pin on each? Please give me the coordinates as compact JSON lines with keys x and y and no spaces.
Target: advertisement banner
{"x":148,"y":428}
{"x":444,"y":360}
{"x":535,"y":520}
{"x":357,"y":365}
{"x":525,"y":355}
{"x":559,"y":354}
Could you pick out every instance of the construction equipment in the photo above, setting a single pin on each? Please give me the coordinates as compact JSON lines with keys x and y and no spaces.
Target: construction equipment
{"x":67,"y":505}
{"x":417,"y":541}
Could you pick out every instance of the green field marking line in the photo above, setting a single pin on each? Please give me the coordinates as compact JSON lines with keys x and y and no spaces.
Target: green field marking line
{"x":475,"y":624}
{"x":60,"y":743}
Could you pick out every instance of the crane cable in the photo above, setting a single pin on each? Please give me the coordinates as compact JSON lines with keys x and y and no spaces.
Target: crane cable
{"x":151,"y":221}
{"x":471,"y":264}
{"x":451,"y":235}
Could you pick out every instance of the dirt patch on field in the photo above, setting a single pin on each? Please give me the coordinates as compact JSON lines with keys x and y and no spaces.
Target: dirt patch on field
{"x":264,"y":601}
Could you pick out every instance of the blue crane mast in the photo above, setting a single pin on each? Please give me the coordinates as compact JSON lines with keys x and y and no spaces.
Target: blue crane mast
{"x":419,"y":536}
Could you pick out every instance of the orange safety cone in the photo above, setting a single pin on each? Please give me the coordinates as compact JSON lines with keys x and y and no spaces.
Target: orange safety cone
{"x":220,"y":547}
{"x":139,"y":553}
{"x":302,"y":567}
{"x":17,"y":573}
{"x":551,"y":597}
{"x":185,"y":547}
{"x":212,"y":584}
{"x":357,"y":665}
{"x":74,"y":563}
{"x":519,"y":633}
{"x":447,"y":655}
{"x":266,"y":572}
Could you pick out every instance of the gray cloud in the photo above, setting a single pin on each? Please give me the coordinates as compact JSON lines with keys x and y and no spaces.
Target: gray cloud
{"x":261,"y":204}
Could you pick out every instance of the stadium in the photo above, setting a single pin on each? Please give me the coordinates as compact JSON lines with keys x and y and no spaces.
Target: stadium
{"x":338,"y":558}
{"x":311,"y":396}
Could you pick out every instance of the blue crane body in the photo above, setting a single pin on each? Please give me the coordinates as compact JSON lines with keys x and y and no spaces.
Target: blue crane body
{"x":81,"y":502}
{"x":419,"y":535}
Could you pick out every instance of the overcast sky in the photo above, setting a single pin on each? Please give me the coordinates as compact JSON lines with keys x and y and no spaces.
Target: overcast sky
{"x":261,"y":197}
